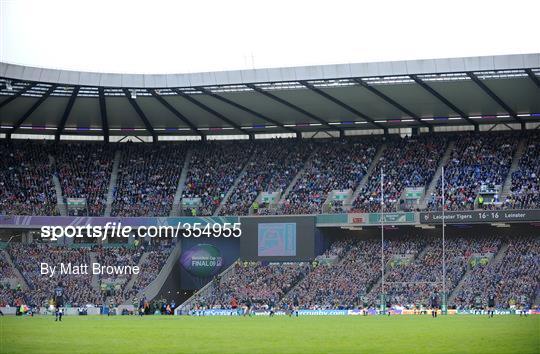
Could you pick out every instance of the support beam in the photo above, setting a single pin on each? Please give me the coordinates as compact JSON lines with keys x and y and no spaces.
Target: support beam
{"x":245,"y":109}
{"x":17,"y":94}
{"x":65,"y":116}
{"x":533,"y":77}
{"x":175,"y":112}
{"x":443,"y":99}
{"x":392,"y":102}
{"x":212,"y":111}
{"x":293,"y":106}
{"x":493,"y":96}
{"x":27,"y":114}
{"x":141,"y":114}
{"x":342,"y":104}
{"x":103,"y":112}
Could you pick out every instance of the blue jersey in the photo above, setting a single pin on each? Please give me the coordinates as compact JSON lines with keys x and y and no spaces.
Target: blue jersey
{"x":59,"y":292}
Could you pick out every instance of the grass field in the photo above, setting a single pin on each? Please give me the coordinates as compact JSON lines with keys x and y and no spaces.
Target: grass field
{"x":156,"y":334}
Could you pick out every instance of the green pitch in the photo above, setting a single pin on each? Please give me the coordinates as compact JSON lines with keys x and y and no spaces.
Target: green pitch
{"x":157,"y":334}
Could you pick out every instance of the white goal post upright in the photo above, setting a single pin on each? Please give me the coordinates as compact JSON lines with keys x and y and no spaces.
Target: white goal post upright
{"x":444,"y":299}
{"x":383,"y":297}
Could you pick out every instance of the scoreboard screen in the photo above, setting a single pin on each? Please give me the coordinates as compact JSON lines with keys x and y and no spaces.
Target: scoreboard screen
{"x":276,"y":239}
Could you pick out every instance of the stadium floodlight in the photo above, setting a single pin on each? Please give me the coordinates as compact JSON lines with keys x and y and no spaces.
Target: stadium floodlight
{"x":133,"y":94}
{"x":9,"y":87}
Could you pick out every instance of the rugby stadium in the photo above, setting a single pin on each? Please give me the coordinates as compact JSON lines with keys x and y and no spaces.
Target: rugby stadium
{"x":379,"y":207}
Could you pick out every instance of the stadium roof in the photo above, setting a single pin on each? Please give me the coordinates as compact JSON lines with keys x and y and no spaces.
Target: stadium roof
{"x":418,"y":93}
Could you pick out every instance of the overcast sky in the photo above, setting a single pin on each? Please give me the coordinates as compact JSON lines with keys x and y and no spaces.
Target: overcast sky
{"x":189,"y":36}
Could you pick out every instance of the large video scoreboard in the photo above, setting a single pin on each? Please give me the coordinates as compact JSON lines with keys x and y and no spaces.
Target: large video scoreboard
{"x":278,"y":238}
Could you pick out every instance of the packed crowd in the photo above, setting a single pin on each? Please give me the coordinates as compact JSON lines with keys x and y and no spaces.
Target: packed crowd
{"x":275,"y":165}
{"x":115,"y":286}
{"x":413,"y":273}
{"x":149,"y":174}
{"x":6,"y":271}
{"x":338,"y":285}
{"x":148,"y":179}
{"x":80,"y":290}
{"x":28,"y":258}
{"x":407,"y":162}
{"x":10,"y":296}
{"x":84,"y":171}
{"x":476,"y":160}
{"x":9,"y":292}
{"x":411,"y":284}
{"x":151,"y":266}
{"x":335,"y":165}
{"x":514,"y":280}
{"x":26,"y":184}
{"x":213,"y":170}
{"x":525,"y":190}
{"x":255,"y":283}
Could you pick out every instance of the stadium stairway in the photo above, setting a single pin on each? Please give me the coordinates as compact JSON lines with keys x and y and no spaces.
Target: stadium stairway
{"x":235,"y":184}
{"x":112,"y":182}
{"x":175,"y":210}
{"x":347,"y":205}
{"x":21,"y":280}
{"x":134,"y":277}
{"x":377,"y":284}
{"x":296,"y":178}
{"x":62,"y":209}
{"x":437,"y":175}
{"x":95,"y":277}
{"x":513,"y":168}
{"x":152,"y":290}
{"x":496,"y":259}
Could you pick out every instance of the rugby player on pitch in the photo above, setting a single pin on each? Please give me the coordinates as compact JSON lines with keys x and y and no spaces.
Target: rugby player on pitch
{"x":59,"y":302}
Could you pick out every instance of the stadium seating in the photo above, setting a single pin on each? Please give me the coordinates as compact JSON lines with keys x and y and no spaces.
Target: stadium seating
{"x":80,"y":290}
{"x":213,"y":169}
{"x":525,"y":190}
{"x":338,"y":285}
{"x":276,"y":164}
{"x":408,"y":162}
{"x":84,"y":171}
{"x":6,"y":272}
{"x":27,"y":259}
{"x":116,"y":256}
{"x":149,"y":174}
{"x":256,"y":282}
{"x":477,"y":159}
{"x":336,"y":165}
{"x":148,"y":179}
{"x":26,"y":185}
{"x":410,"y":285}
{"x":513,"y":280}
{"x":413,"y":272}
{"x":346,"y":275}
{"x":155,"y":260}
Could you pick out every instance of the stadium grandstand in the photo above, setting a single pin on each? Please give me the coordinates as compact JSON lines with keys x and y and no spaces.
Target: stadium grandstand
{"x":334,"y":172}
